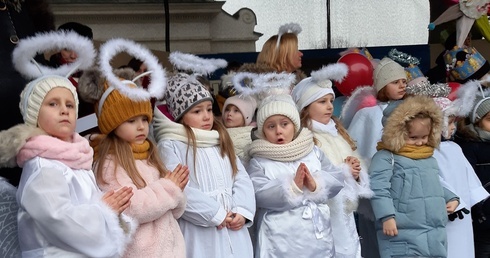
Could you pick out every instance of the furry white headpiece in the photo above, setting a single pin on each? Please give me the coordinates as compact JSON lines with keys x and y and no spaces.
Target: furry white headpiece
{"x":195,"y":64}
{"x":158,"y":81}
{"x":288,"y":28}
{"x":27,"y":49}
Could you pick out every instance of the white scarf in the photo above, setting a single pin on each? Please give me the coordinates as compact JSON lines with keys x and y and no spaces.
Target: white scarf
{"x":241,"y":137}
{"x":295,"y":150}
{"x":164,"y":129}
{"x":325,"y":128}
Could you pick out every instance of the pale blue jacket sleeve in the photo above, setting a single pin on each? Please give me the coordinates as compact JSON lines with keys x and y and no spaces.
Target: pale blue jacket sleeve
{"x":381,"y":171}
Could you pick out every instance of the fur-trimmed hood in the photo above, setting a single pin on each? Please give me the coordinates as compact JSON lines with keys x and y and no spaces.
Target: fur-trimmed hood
{"x":12,"y":140}
{"x":395,"y":131}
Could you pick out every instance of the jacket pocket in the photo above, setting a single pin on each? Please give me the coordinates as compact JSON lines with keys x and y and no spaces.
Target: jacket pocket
{"x":398,"y":248}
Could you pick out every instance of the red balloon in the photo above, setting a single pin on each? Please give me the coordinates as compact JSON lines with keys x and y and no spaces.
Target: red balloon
{"x":360,"y":73}
{"x":454,"y":87}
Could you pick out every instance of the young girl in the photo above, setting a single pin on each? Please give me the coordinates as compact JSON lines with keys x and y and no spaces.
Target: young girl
{"x":474,"y":140}
{"x":125,"y":157}
{"x":390,"y":81}
{"x":314,"y":98}
{"x":220,"y":202}
{"x":293,"y":181}
{"x":409,"y":203}
{"x":238,"y":112}
{"x":61,"y":211}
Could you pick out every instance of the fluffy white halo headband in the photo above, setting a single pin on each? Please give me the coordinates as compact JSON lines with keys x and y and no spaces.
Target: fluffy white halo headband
{"x":199,"y":65}
{"x":288,"y":28}
{"x":158,"y":81}
{"x":27,"y":49}
{"x":242,"y":87}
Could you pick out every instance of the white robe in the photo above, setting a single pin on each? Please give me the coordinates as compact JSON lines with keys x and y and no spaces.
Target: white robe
{"x":294,"y":223}
{"x":366,"y":129}
{"x":211,"y":193}
{"x":460,"y":177}
{"x":343,"y":205}
{"x":61,"y":214}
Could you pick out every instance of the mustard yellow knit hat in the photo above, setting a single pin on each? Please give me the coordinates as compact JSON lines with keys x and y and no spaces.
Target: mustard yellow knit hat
{"x":117,"y":108}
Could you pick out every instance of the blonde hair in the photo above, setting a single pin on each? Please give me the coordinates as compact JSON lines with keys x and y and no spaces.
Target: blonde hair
{"x":280,"y":59}
{"x":225,"y":143}
{"x":122,"y":155}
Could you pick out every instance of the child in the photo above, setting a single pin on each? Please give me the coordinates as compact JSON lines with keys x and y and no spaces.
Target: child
{"x":390,"y":81}
{"x":409,"y":202}
{"x":314,"y":98}
{"x":125,"y":157}
{"x":293,"y":181}
{"x":61,"y":211}
{"x":474,"y":141}
{"x":220,"y":202}
{"x":238,"y":112}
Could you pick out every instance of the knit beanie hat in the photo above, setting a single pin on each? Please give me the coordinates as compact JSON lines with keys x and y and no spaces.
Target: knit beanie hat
{"x":318,"y":85}
{"x":183,"y":93}
{"x":246,"y":104}
{"x":482,"y":107}
{"x":386,"y":72}
{"x":281,"y":104}
{"x":33,"y":95}
{"x":115,"y":108}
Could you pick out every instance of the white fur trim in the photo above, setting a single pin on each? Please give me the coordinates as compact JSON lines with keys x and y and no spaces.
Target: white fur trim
{"x":189,"y":62}
{"x":336,"y":72}
{"x":24,"y":53}
{"x":352,"y":105}
{"x":158,"y":81}
{"x":465,"y":98}
{"x":294,"y":198}
{"x":320,"y":195}
{"x":269,"y":81}
{"x":245,"y":89}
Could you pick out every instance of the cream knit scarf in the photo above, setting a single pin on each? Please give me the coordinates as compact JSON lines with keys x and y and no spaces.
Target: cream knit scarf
{"x":295,"y":150}
{"x":164,"y":129}
{"x":241,"y":137}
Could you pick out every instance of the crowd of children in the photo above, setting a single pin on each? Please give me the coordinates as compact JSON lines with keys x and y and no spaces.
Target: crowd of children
{"x":277,"y":175}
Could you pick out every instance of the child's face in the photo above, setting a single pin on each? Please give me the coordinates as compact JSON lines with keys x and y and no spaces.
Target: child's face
{"x":418,"y":131}
{"x":278,"y":129}
{"x":484,"y":123}
{"x":57,"y":115}
{"x":451,"y":127}
{"x":200,"y":116}
{"x":321,"y":109}
{"x":134,"y":130}
{"x":232,"y":117}
{"x":70,"y":56}
{"x":395,"y":90}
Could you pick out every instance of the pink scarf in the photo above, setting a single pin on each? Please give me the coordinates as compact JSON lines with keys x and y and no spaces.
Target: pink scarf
{"x":76,"y":154}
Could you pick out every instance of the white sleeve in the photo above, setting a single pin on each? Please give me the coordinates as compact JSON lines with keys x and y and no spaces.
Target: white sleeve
{"x":92,"y":229}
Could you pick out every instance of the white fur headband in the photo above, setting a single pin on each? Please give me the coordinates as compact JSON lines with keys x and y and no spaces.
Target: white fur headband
{"x":287,"y":28}
{"x":27,"y":49}
{"x":189,"y":62}
{"x":158,"y":81}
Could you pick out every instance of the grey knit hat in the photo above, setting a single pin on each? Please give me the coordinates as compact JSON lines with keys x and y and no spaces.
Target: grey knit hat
{"x":482,"y":107}
{"x":281,"y":104}
{"x":184,"y":92}
{"x":386,"y":72}
{"x":34,"y":93}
